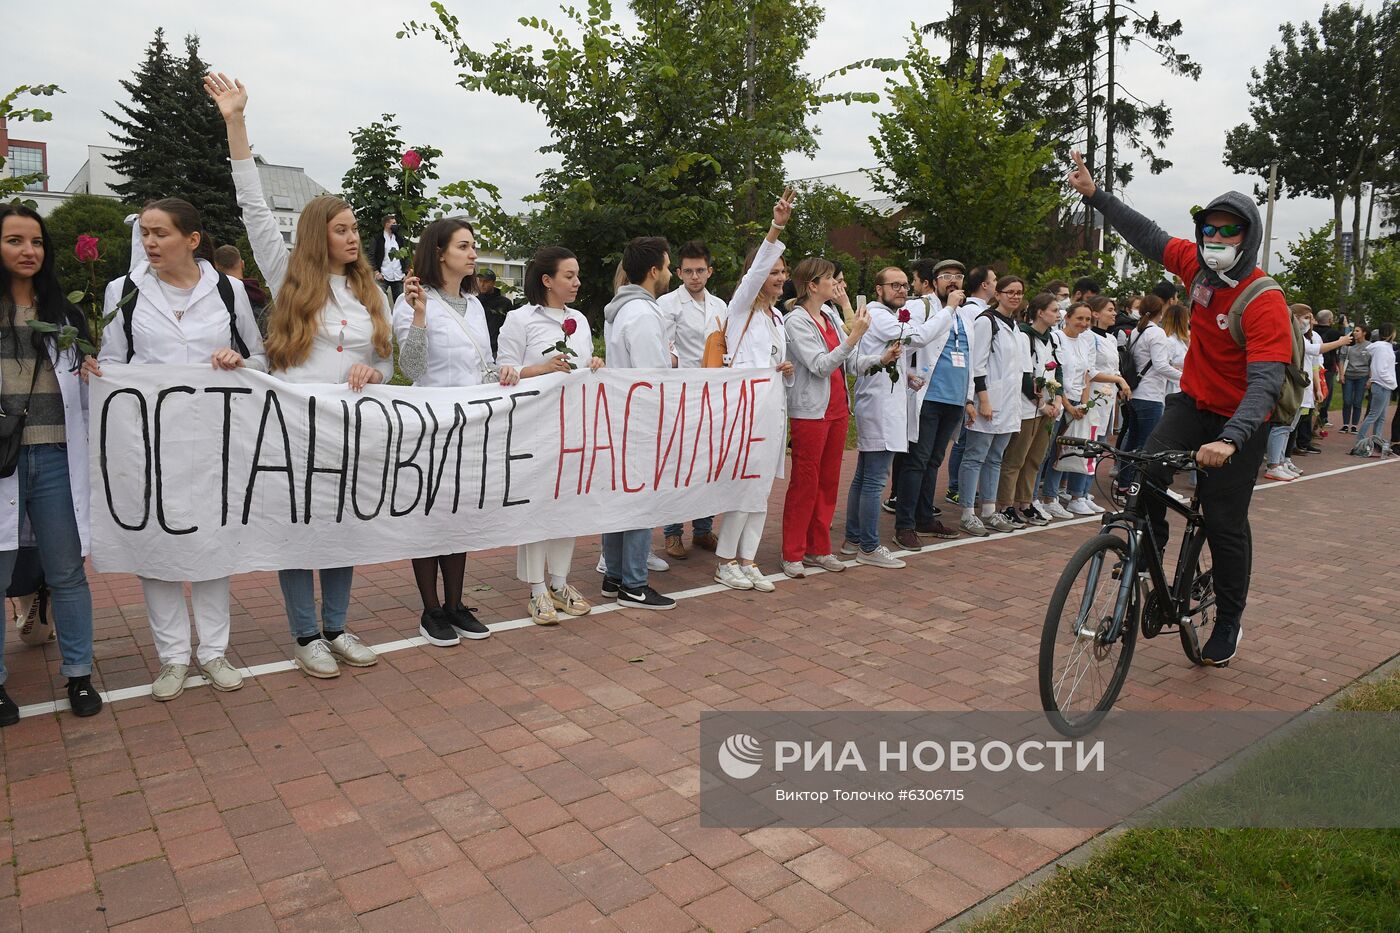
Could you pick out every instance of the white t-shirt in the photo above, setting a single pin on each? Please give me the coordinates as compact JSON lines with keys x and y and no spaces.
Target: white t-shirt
{"x":1382,"y":363}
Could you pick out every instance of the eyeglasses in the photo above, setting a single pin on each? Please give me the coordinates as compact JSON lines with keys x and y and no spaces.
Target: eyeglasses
{"x":694,"y":271}
{"x":897,"y":286}
{"x":1010,"y":294}
{"x":950,"y":276}
{"x":1223,"y":229}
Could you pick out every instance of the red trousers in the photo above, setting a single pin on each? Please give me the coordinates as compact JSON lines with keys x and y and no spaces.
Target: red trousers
{"x":810,"y":504}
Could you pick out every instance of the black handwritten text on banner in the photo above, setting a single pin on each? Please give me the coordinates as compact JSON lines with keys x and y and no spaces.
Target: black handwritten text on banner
{"x":199,"y":474}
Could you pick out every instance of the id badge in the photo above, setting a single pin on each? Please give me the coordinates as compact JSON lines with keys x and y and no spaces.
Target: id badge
{"x":1202,"y":294}
{"x":958,"y":359}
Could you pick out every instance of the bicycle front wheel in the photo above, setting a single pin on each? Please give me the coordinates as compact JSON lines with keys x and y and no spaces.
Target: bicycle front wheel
{"x":1083,"y":662}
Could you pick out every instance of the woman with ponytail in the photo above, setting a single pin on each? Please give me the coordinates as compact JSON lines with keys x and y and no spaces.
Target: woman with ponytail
{"x":176,"y":309}
{"x":330,"y":325}
{"x":44,"y":489}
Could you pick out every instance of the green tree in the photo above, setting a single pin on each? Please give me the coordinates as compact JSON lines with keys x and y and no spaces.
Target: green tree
{"x":96,"y":216}
{"x":974,"y":188}
{"x":9,"y":112}
{"x":171,"y":137}
{"x":377,"y":183}
{"x":677,"y":128}
{"x":1315,"y":107}
{"x":1378,"y":295}
{"x":1310,"y":276}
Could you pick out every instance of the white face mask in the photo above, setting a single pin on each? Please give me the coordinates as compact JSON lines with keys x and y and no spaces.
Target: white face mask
{"x":1064,"y":304}
{"x":1220,"y":256}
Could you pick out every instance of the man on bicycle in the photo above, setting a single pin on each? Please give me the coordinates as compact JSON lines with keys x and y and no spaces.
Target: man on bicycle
{"x":1227,"y":391}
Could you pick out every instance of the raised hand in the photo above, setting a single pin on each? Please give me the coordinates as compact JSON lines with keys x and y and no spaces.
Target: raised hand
{"x":228,"y":93}
{"x":782,"y":211}
{"x":1079,"y":178}
{"x":416,"y":297}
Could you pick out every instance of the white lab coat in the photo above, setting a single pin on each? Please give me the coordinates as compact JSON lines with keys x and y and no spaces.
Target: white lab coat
{"x":14,"y":530}
{"x":931,"y":323}
{"x":881,"y":409}
{"x":528,"y":336}
{"x":1000,"y":356}
{"x":754,"y":338}
{"x":1312,"y":362}
{"x":459,"y":346}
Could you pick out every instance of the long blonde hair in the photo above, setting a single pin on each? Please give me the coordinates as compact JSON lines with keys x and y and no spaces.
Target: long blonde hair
{"x":292,"y":327}
{"x":1177,"y":322}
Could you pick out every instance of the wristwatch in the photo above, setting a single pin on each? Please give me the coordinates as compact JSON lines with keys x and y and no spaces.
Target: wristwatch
{"x":1226,"y":440}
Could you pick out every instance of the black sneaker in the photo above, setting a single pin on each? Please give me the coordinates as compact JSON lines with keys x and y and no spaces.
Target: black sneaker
{"x":83,"y":696}
{"x":1030,"y":516}
{"x":937,"y":511}
{"x":952,"y":496}
{"x":1224,"y":641}
{"x":466,"y":623}
{"x":611,"y":585}
{"x":436,"y":626}
{"x":644,"y":598}
{"x":889,"y":505}
{"x":9,"y":710}
{"x":1014,"y":517}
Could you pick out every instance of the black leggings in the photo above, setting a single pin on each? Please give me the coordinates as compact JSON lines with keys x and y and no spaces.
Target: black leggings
{"x":1224,"y":495}
{"x":425,"y":574}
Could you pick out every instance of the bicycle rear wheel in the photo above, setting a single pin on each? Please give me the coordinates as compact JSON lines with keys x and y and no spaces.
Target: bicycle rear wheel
{"x":1081,"y":672}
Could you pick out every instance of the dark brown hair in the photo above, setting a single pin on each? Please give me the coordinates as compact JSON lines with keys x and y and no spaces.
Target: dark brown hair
{"x":435,"y":239}
{"x":187,"y":220}
{"x":545,"y":262}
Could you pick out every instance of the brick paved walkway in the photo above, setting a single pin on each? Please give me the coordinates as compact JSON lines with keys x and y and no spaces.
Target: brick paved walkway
{"x":549,"y":777}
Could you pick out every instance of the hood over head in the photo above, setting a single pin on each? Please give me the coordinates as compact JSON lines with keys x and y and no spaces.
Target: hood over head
{"x":1243,"y":207}
{"x":625,"y":294}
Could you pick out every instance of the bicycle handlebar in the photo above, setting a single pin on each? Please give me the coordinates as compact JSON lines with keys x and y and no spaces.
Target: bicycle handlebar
{"x":1178,"y":460}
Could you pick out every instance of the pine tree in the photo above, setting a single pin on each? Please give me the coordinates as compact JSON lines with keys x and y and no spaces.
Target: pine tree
{"x":172,"y":139}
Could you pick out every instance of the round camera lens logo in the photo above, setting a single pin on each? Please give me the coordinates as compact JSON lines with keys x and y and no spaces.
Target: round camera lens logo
{"x":740,"y":756}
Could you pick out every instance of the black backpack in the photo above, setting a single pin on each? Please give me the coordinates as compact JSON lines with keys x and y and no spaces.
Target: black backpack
{"x":128,"y":306}
{"x":1127,"y":366}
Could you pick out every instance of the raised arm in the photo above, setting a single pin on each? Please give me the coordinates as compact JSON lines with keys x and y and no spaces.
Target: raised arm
{"x":264,"y":236}
{"x":1142,"y":234}
{"x":768,"y":252}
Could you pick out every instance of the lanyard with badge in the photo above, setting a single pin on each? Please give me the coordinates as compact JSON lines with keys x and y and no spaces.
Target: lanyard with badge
{"x":490,"y":372}
{"x":958,"y":357}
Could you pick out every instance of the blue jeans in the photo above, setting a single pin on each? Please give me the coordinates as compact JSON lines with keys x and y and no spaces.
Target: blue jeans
{"x":46,"y":496}
{"x":863,"y":503}
{"x":981,"y":467}
{"x":1144,"y":417}
{"x":625,"y":554}
{"x":299,"y":590}
{"x":1077,"y":483}
{"x":1375,"y":417}
{"x":955,"y":459}
{"x":701,"y":526}
{"x":1277,"y":445}
{"x":1353,"y":398}
{"x":917,"y":481}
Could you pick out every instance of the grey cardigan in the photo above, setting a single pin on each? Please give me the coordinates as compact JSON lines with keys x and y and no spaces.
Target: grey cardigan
{"x":813,"y":363}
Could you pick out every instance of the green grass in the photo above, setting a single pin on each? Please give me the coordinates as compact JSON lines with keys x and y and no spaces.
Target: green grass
{"x":1233,"y":879}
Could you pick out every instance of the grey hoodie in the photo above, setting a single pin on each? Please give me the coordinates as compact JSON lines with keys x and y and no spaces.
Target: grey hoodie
{"x":1241,"y":206}
{"x":634,"y":330}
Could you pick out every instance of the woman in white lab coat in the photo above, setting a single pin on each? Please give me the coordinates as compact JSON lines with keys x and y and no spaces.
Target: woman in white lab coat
{"x":183,"y":311}
{"x":755,"y":339}
{"x":526,"y":344}
{"x":44,"y":499}
{"x":330,"y":324}
{"x":443,"y":341}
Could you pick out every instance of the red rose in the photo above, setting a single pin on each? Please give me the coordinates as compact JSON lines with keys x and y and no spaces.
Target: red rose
{"x":570,"y":325}
{"x":904,"y":315}
{"x":1050,"y":366}
{"x":411,"y":160}
{"x":86,"y":248}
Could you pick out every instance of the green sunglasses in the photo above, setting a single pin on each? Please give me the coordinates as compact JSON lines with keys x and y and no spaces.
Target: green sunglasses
{"x":1223,"y":229}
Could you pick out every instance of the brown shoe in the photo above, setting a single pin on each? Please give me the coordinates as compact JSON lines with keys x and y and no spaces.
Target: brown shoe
{"x":908,"y":540}
{"x":936,"y":530}
{"x":706,"y":542}
{"x":675,"y":547}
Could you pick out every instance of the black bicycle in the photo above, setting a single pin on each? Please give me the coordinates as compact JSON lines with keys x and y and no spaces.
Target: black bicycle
{"x":1114,"y":586}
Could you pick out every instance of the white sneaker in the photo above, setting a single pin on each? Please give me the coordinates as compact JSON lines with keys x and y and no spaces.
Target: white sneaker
{"x":824,"y":561}
{"x":542,"y":610}
{"x":1098,"y":509}
{"x":570,"y":600}
{"x":850,"y":548}
{"x":352,"y":651}
{"x":170,"y":682}
{"x":1055,"y":510}
{"x":1080,"y":506}
{"x":794,"y":569}
{"x":760,"y":583}
{"x":1292,"y":467}
{"x":1063,"y":496}
{"x":997,"y":522}
{"x":1041,"y":510}
{"x":730,"y":574}
{"x":221,"y":674}
{"x":1279,"y":473}
{"x":880,"y":557}
{"x":656,"y":564}
{"x":316,"y":659}
{"x":602,"y":566}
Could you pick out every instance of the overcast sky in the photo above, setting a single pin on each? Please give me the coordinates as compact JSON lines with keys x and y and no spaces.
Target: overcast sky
{"x":316,"y":69}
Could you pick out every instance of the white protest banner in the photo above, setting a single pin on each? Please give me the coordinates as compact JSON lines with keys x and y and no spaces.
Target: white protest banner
{"x":199,"y":474}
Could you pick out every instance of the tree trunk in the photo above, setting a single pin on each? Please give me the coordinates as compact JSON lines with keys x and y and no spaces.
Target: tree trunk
{"x":1357,"y":267}
{"x":751,"y":206}
{"x":1366,"y":240}
{"x":1108,"y":109}
{"x":1338,"y":196}
{"x":1089,"y":144}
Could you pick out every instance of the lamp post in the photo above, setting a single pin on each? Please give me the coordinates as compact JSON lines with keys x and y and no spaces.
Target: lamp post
{"x":1269,"y":217}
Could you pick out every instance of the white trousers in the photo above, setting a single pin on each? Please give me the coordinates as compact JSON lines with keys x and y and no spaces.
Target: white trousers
{"x":170,"y":622}
{"x":533,"y":561}
{"x":739,"y":534}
